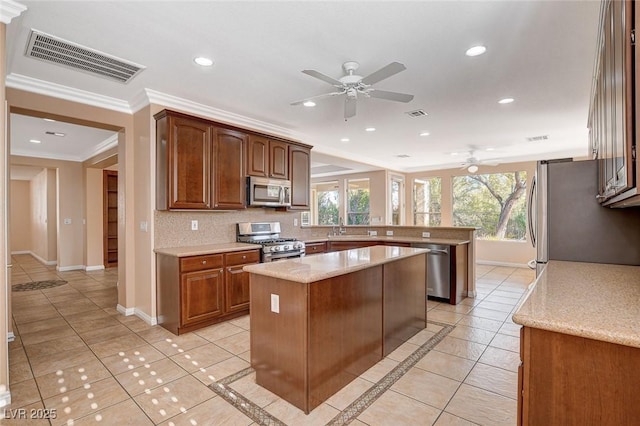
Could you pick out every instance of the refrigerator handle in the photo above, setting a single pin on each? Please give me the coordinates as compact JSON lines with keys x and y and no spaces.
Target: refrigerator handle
{"x":532,"y":231}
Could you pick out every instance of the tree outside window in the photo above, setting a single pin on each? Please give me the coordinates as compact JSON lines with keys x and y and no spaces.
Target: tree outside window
{"x":495,"y":203}
{"x":396,"y":200}
{"x":427,"y":201}
{"x":327,"y":202}
{"x":358,"y":202}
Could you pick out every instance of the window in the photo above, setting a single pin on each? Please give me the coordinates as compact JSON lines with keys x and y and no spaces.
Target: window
{"x":358,"y":201}
{"x":397,"y":200}
{"x":326,"y":202}
{"x":495,"y":203}
{"x":427,"y":201}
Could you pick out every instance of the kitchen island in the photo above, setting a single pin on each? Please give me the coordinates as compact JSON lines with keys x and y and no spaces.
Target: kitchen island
{"x":318,"y":322}
{"x":580,"y":346}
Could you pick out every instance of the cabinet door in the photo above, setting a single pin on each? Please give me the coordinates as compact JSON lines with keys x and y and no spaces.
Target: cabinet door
{"x":237,"y":289}
{"x":257,"y":156}
{"x":278,"y":160}
{"x":300,"y":168}
{"x":189,"y":158}
{"x":230,"y":185}
{"x":201,"y":294}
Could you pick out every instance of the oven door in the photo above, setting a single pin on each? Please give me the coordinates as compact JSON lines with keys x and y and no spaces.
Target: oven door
{"x":272,"y":257}
{"x":268,"y":192}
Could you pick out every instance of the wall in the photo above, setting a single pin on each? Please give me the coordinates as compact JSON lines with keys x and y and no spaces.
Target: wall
{"x":38,"y":218}
{"x":20,"y":225}
{"x":492,"y":252}
{"x":94,"y":227}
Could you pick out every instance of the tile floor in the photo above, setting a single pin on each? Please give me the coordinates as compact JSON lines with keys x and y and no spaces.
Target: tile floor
{"x":73,"y":353}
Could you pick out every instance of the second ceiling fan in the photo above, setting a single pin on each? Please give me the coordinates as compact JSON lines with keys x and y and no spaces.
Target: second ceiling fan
{"x":353,"y":85}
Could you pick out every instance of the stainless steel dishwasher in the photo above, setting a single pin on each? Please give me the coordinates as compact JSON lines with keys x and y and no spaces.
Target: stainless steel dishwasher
{"x":438,"y":270}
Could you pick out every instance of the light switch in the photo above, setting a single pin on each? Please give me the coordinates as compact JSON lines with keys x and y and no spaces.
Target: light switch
{"x":67,"y":221}
{"x":144,"y":226}
{"x":295,"y":221}
{"x":275,"y":303}
{"x":194,"y":225}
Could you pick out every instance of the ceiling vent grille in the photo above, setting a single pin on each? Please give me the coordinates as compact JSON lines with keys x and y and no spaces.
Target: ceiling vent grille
{"x":71,"y":55}
{"x":403,"y":156}
{"x":416,"y":113}
{"x":538,"y":138}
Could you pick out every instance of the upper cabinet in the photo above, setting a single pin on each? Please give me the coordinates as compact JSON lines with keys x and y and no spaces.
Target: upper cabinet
{"x":267,"y":158}
{"x":613,"y":115}
{"x":203,"y":165}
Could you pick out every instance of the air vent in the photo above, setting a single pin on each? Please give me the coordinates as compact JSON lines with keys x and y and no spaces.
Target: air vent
{"x":71,"y":55}
{"x":416,"y":113}
{"x":538,"y":138}
{"x":403,"y":156}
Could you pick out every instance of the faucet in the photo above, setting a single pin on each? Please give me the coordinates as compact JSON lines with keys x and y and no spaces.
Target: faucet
{"x":342,"y":229}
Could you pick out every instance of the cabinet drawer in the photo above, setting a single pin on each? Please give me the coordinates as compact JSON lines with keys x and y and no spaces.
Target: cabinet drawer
{"x":315,"y":248}
{"x":242,"y":257}
{"x":200,"y":263}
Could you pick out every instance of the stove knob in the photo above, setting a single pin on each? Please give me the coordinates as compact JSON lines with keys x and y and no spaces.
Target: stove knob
{"x":276,"y":248}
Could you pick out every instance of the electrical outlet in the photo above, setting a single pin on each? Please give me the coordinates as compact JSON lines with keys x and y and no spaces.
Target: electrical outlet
{"x":373,"y":233}
{"x":426,"y":234}
{"x":389,"y":233}
{"x":295,"y":221}
{"x":194,"y":225}
{"x":275,"y":303}
{"x":144,"y":226}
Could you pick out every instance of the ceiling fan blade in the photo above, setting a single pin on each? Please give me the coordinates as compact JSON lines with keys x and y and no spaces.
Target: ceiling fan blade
{"x":390,"y":96}
{"x":384,"y":72}
{"x":323,"y":77}
{"x":350,"y":107}
{"x":324,"y":95}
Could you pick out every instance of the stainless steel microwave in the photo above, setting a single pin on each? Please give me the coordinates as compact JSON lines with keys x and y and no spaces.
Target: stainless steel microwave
{"x":262,"y":192}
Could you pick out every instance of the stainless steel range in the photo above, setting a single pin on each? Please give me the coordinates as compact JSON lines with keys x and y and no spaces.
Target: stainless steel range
{"x":267,"y":234}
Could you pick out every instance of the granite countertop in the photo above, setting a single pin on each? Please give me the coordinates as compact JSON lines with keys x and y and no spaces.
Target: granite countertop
{"x":596,"y":301}
{"x":309,"y":269}
{"x":382,"y":238}
{"x":206,"y":249}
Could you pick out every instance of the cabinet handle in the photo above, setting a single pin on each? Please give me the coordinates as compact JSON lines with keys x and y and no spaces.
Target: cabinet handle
{"x":204,"y":262}
{"x":244,"y":257}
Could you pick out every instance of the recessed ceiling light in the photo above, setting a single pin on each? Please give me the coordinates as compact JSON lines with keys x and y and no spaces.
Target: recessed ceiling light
{"x":34,"y":141}
{"x":370,"y":129}
{"x":475,"y":51}
{"x":454,"y":153}
{"x":49,"y":119}
{"x":309,"y":103}
{"x":425,"y":134}
{"x":506,"y":101}
{"x":490,"y":149}
{"x":344,"y":140}
{"x":202,"y":61}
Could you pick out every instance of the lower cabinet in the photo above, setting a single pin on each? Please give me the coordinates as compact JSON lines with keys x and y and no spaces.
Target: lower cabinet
{"x":315,"y":248}
{"x":197,"y":291}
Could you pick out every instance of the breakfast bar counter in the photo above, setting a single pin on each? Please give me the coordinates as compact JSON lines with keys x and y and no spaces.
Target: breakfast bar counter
{"x":318,"y":322}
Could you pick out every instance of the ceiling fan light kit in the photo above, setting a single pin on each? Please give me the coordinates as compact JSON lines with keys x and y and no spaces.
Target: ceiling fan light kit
{"x":353,"y":85}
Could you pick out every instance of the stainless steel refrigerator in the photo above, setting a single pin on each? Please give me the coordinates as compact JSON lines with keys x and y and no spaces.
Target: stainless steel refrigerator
{"x":566,"y":222}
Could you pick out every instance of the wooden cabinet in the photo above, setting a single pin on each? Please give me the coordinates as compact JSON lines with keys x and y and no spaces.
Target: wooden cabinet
{"x":315,"y":248}
{"x":198,"y":165}
{"x":110,"y":218}
{"x":197,"y":291}
{"x":229,"y":182}
{"x":611,"y":125}
{"x":571,"y":380}
{"x":300,"y":175}
{"x":267,"y":158}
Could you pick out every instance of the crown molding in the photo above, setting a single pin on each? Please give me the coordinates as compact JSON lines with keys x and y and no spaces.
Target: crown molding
{"x":29,"y":84}
{"x":10,"y":9}
{"x":170,"y":101}
{"x":103,"y":146}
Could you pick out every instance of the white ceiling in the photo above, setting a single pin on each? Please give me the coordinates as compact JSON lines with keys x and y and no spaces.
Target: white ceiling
{"x":541,"y":53}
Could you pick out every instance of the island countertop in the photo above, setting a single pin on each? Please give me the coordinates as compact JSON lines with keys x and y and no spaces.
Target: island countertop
{"x":386,"y":239}
{"x":595,"y":301}
{"x":309,"y":269}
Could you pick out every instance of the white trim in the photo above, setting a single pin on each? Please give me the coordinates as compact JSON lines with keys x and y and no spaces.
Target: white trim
{"x":146,"y":318}
{"x":5,"y":398}
{"x":125,"y":311}
{"x":10,"y":9}
{"x":20,"y":252}
{"x":11,"y":337}
{"x":70,"y":268}
{"x":94,"y":268}
{"x":217,"y":114}
{"x":43,"y":261}
{"x":21,"y":82}
{"x":506,"y":264}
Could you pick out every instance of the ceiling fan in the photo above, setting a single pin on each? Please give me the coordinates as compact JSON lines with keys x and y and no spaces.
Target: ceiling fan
{"x":472,"y":162}
{"x":353,"y":85}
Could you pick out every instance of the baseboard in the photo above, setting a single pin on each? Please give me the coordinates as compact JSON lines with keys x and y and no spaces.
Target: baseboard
{"x":71,"y":268}
{"x":5,"y":398}
{"x":21,"y":252}
{"x":94,"y":268}
{"x":506,"y":264}
{"x":44,"y":261}
{"x":125,"y":311}
{"x":10,"y":336}
{"x":146,"y":318}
